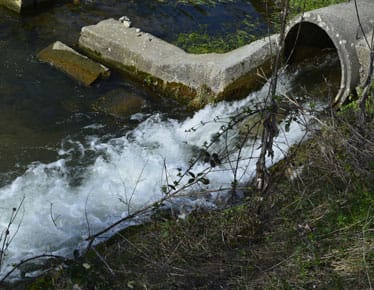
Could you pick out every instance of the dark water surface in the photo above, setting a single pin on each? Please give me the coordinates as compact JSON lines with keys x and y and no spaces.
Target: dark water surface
{"x":41,"y":108}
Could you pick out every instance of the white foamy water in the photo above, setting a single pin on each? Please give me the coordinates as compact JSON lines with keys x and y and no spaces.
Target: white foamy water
{"x":56,"y":216}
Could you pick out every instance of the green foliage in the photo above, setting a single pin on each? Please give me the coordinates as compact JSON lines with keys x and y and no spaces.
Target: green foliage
{"x":297,"y":7}
{"x":201,"y":41}
{"x":312,"y":4}
{"x":42,"y":283}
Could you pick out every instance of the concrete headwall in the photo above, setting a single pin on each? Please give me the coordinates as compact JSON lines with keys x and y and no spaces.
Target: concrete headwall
{"x":336,"y":27}
{"x":196,"y":78}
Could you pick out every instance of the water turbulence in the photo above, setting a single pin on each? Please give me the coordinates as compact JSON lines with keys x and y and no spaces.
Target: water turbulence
{"x":129,"y":173}
{"x":94,"y":178}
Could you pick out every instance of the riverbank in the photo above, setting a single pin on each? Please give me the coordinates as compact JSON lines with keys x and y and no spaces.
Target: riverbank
{"x":311,"y":231}
{"x":252,"y":245}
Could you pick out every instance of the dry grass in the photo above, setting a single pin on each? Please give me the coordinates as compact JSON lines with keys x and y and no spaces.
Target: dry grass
{"x":311,"y":232}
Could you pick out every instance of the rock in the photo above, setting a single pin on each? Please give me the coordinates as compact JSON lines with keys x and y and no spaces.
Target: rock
{"x":119,"y":103}
{"x":73,"y":63}
{"x":125,"y":21}
{"x":252,"y":126}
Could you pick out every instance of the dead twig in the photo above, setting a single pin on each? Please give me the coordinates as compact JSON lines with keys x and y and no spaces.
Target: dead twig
{"x":15,"y":267}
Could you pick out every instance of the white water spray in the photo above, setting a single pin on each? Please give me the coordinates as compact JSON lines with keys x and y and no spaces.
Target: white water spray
{"x":128,"y":174}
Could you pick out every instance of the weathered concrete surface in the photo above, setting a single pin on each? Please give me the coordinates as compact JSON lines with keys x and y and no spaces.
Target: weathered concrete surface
{"x":336,"y":27}
{"x":363,"y":54}
{"x":19,"y":5}
{"x":73,"y":63}
{"x":196,"y":78}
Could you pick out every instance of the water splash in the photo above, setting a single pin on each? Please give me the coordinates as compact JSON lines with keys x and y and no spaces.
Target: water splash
{"x":128,"y":173}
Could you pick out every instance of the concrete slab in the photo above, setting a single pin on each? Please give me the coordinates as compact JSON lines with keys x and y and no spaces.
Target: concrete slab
{"x":19,"y":5}
{"x":196,"y":78}
{"x":73,"y":63}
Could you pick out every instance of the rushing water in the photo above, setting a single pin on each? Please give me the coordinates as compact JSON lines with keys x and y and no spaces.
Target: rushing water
{"x":75,"y":170}
{"x":56,"y":216}
{"x":39,"y":106}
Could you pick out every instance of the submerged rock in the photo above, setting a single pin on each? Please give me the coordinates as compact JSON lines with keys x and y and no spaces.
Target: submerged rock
{"x":119,"y":103}
{"x":253,"y":125}
{"x":73,"y":63}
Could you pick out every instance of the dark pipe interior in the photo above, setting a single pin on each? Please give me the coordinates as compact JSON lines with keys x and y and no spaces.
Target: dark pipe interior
{"x":306,"y":40}
{"x":310,"y":51}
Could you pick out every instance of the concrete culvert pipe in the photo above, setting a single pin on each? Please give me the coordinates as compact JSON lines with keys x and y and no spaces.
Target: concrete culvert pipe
{"x":336,"y":27}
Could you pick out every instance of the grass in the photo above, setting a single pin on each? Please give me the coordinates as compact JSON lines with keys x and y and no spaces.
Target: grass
{"x":201,"y":41}
{"x":312,"y":232}
{"x":299,"y":6}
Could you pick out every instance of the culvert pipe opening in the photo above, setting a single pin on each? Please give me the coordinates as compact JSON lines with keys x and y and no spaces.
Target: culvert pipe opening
{"x":334,"y":29}
{"x":311,"y":53}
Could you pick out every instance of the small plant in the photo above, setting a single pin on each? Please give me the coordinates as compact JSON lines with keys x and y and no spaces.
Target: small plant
{"x":8,"y":235}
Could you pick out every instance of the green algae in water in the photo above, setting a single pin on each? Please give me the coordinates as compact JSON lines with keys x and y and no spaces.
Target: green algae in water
{"x":222,"y":36}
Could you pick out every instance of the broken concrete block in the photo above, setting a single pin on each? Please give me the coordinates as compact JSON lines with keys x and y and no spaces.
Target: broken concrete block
{"x":73,"y":63}
{"x":19,"y":5}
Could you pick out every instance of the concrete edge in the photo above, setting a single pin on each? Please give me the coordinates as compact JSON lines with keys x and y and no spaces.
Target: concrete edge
{"x":197,"y":79}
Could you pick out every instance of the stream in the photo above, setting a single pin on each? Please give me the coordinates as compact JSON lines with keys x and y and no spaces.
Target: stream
{"x":69,"y":171}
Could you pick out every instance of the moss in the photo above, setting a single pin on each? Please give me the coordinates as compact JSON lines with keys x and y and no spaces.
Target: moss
{"x":201,"y":41}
